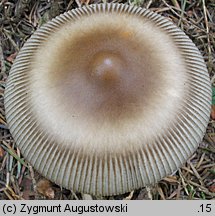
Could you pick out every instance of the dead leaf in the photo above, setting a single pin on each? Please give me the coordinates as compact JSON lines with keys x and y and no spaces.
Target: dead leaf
{"x":213,"y":112}
{"x":212,"y":188}
{"x":27,"y":188}
{"x":11,"y":57}
{"x":44,"y":187}
{"x":1,"y":152}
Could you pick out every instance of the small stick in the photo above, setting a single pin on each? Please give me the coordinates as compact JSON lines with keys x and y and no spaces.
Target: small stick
{"x":175,"y":3}
{"x":149,"y":193}
{"x":207,"y":32}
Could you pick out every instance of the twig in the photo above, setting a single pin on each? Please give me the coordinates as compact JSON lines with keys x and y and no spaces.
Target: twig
{"x":11,"y":40}
{"x":149,"y":192}
{"x":208,"y":37}
{"x":196,"y":173}
{"x":175,"y":3}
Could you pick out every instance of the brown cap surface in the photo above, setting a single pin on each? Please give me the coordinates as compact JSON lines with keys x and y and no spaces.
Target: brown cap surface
{"x":108,"y":98}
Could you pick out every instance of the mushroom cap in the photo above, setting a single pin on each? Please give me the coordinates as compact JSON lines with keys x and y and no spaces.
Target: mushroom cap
{"x":108,"y":98}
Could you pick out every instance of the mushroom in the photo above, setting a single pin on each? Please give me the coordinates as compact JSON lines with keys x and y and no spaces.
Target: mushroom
{"x":108,"y":98}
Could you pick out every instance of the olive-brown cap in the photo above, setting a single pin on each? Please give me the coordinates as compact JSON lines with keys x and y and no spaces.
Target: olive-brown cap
{"x":108,"y":98}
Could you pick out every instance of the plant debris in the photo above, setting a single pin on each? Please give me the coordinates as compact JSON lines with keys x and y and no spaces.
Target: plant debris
{"x":18,"y":180}
{"x":44,"y":187}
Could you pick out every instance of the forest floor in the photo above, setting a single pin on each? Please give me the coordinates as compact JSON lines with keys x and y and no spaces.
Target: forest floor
{"x":18,"y":21}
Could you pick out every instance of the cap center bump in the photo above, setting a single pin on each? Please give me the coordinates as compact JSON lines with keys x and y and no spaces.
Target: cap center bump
{"x":106,"y":67}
